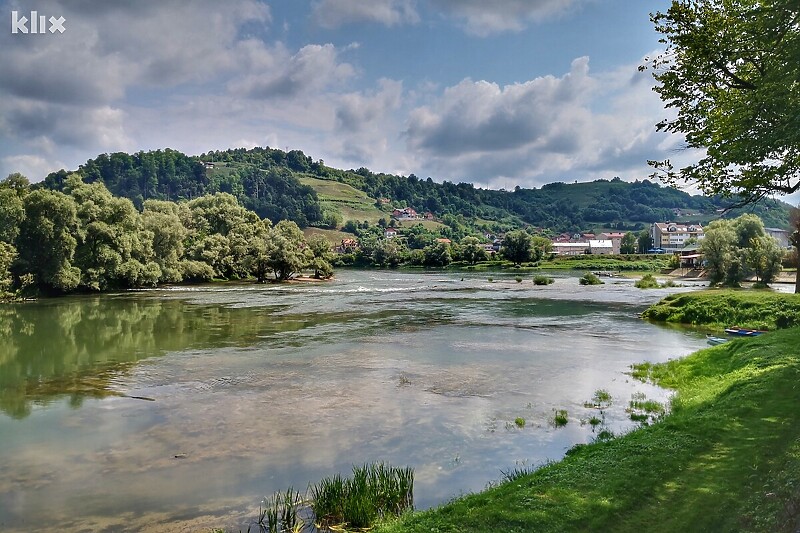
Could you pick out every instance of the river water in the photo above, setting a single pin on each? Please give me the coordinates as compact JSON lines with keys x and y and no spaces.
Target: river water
{"x":180,"y":408}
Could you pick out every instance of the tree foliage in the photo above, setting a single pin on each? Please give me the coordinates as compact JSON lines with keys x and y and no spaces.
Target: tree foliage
{"x":730,"y":71}
{"x":737,"y":249}
{"x":87,"y":239}
{"x":517,"y":247}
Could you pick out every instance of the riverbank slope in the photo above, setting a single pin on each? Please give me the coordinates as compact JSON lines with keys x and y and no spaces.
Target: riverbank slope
{"x":727,"y":458}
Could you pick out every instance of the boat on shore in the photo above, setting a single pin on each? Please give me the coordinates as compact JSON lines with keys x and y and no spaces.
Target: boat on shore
{"x":743,"y":332}
{"x":714,"y":341}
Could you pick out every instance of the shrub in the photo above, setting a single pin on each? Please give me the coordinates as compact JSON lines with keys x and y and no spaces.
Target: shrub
{"x":648,"y":281}
{"x":590,"y":279}
{"x":543,"y":280}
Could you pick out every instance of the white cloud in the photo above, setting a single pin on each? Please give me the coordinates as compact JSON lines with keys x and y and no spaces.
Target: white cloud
{"x":483,"y":18}
{"x":336,"y":13}
{"x":366,"y":123}
{"x":34,"y":167}
{"x":277,"y":74}
{"x":541,"y":130}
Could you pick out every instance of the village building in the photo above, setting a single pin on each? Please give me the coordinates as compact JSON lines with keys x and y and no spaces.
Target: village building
{"x":390,"y":233}
{"x":601,"y":247}
{"x":347,"y":246}
{"x":570,"y":248}
{"x":671,"y":237}
{"x":615,"y":238}
{"x":406,"y":213}
{"x":780,"y":235}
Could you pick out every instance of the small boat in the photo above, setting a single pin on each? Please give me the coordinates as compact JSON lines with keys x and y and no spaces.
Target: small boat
{"x":713,"y":341}
{"x":743,"y":332}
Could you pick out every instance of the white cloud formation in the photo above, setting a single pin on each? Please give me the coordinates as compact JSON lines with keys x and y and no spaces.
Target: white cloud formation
{"x":277,"y":73}
{"x":540,"y":130}
{"x":483,"y":18}
{"x":33,"y":167}
{"x":366,"y":123}
{"x":335,"y":13}
{"x":69,"y":89}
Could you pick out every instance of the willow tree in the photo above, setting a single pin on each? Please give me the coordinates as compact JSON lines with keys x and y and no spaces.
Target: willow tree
{"x":731,"y":73}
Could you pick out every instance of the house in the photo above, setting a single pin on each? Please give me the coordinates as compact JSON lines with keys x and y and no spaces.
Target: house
{"x":588,"y":236}
{"x":670,"y":236}
{"x":406,"y":213}
{"x":615,"y":238}
{"x":390,"y":233}
{"x":348,"y":246}
{"x":780,"y":235}
{"x":690,"y":257}
{"x":445,"y":241}
{"x":570,"y":248}
{"x":601,"y":247}
{"x":208,"y":164}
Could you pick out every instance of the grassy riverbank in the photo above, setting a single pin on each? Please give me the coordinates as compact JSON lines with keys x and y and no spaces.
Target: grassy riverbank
{"x":726,"y":459}
{"x":722,"y":308}
{"x":622,"y":263}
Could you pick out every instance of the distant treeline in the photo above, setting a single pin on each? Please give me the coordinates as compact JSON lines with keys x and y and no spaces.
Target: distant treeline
{"x":83,"y":238}
{"x":265,"y":181}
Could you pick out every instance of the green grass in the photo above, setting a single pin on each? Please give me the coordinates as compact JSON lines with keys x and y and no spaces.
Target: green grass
{"x":723,"y":308}
{"x":352,"y":203}
{"x":726,"y":458}
{"x":643,"y":263}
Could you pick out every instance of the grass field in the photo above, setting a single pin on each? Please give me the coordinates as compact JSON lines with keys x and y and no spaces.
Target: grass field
{"x":352,"y":203}
{"x":727,"y":458}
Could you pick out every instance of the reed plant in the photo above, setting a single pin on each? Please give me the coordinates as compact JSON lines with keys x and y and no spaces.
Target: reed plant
{"x":375,"y":491}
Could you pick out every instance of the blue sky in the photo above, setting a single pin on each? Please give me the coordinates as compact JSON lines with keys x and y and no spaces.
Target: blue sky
{"x":504,"y":93}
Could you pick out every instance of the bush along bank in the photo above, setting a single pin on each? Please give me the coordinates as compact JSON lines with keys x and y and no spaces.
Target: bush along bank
{"x":725,"y":308}
{"x":726,"y":458}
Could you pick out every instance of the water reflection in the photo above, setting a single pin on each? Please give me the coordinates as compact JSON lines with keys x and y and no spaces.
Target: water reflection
{"x":260,"y":388}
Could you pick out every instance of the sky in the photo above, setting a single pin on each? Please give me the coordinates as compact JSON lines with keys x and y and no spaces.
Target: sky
{"x":500,"y":94}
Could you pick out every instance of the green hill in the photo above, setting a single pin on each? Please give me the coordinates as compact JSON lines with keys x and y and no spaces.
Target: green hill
{"x":290,"y":185}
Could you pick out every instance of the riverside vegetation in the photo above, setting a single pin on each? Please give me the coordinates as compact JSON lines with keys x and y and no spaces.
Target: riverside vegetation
{"x":85,"y":239}
{"x":725,"y":458}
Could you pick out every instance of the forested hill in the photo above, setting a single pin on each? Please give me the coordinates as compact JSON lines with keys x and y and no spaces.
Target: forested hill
{"x":289,"y":185}
{"x":272,"y":191}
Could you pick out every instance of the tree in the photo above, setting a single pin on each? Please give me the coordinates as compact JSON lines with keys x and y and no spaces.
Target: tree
{"x":730,"y":72}
{"x":794,"y":240}
{"x":540,"y":246}
{"x":113,"y":250}
{"x":322,"y":256}
{"x":161,"y":219}
{"x":517,"y":247}
{"x":763,"y":257}
{"x":739,"y":248}
{"x":471,"y":250}
{"x":628,"y":244}
{"x":46,"y":242}
{"x":7,"y":256}
{"x":644,"y":241}
{"x":437,"y":255}
{"x":717,"y":249}
{"x":286,"y":250}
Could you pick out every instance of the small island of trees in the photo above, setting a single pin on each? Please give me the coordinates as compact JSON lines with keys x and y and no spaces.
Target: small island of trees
{"x":84,"y":239}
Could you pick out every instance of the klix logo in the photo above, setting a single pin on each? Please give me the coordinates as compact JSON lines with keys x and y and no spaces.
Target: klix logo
{"x":36,"y":24}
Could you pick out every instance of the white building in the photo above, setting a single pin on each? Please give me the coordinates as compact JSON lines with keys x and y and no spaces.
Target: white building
{"x":601,"y":246}
{"x":570,"y":248}
{"x":672,"y":237}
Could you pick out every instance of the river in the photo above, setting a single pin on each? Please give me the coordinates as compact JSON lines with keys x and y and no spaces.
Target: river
{"x":180,"y":408}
